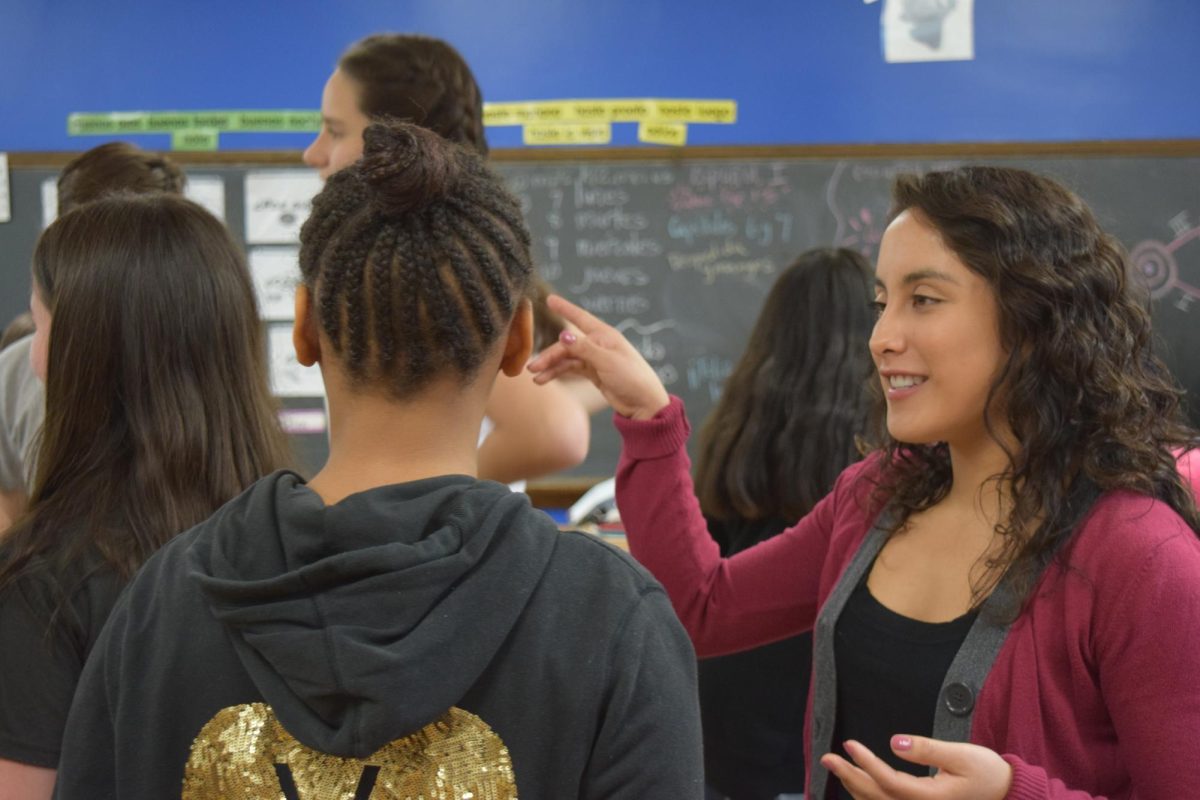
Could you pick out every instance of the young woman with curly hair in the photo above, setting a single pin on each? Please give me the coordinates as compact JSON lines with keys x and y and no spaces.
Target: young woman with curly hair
{"x":1007,"y":589}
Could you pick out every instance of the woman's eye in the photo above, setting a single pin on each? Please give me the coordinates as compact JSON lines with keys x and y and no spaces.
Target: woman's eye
{"x":878,"y":306}
{"x":920,"y":300}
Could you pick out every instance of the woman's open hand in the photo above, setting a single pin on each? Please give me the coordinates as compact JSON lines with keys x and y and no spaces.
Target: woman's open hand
{"x":965,"y":771}
{"x":600,"y":353}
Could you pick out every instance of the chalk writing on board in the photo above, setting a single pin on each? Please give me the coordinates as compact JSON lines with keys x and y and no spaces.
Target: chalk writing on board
{"x":650,"y":343}
{"x":1158,"y":265}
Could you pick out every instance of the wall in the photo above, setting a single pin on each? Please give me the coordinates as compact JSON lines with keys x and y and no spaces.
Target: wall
{"x":802,"y":71}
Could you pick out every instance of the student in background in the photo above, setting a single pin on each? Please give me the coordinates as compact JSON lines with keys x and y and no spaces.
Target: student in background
{"x":18,"y":328}
{"x":784,"y":429}
{"x":157,"y":412}
{"x":531,"y":430}
{"x":114,"y":166}
{"x":1007,"y":589}
{"x":395,"y":621}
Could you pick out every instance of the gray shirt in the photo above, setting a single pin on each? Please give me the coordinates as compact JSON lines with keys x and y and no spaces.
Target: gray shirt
{"x":22,"y":408}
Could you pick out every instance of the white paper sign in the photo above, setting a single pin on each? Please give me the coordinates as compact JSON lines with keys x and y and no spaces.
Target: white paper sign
{"x":288,"y":377}
{"x":277,"y":203}
{"x":5,"y":194}
{"x":49,"y":201}
{"x":207,"y":191}
{"x":928,"y":30}
{"x":276,"y":273}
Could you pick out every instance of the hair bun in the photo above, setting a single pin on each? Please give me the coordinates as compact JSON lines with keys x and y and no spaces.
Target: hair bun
{"x":407,"y":166}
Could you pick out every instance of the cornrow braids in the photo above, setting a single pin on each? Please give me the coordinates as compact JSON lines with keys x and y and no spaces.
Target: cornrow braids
{"x":417,"y":259}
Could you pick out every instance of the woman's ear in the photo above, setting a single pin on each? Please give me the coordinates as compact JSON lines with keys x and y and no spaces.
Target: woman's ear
{"x":519,"y":346}
{"x":304,"y":329}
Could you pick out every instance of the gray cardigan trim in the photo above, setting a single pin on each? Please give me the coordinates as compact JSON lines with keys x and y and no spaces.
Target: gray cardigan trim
{"x":960,"y":689}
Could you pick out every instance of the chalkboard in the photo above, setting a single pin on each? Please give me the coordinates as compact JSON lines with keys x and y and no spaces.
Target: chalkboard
{"x":679,"y":253}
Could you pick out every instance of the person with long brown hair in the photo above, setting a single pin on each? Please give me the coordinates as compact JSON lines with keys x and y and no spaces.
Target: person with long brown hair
{"x":106,"y":168}
{"x":157,"y":413}
{"x":1004,"y":594}
{"x":529,"y":430}
{"x":785,"y":427}
{"x":395,"y":621}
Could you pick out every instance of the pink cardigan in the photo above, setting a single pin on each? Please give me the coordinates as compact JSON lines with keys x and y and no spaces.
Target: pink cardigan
{"x":1096,"y":689}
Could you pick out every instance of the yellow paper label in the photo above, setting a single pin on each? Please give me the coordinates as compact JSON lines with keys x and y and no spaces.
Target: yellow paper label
{"x":539,"y":134}
{"x":671,"y":133}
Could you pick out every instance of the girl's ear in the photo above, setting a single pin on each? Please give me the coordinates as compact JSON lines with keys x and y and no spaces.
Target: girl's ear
{"x":519,"y":345}
{"x":304,"y":329}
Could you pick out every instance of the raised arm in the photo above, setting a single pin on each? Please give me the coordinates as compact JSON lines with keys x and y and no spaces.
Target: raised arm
{"x":760,"y":595}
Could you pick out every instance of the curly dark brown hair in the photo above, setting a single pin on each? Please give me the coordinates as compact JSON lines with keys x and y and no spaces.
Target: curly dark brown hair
{"x":1089,"y":405}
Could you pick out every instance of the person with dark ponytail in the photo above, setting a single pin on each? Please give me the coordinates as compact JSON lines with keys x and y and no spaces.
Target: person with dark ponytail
{"x":785,"y":427}
{"x":529,"y":430}
{"x":157,"y":412}
{"x":395,"y":625}
{"x":1004,"y":593}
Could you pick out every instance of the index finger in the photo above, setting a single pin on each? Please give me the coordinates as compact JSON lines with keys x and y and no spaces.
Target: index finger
{"x":574,"y":314}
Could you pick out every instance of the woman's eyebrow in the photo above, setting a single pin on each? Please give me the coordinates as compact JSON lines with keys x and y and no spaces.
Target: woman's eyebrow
{"x":921,"y":275}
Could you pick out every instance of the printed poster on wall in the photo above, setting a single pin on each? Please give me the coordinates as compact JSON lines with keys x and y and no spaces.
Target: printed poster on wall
{"x":5,"y":194}
{"x":277,"y":203}
{"x":928,"y":30}
{"x":290,"y":378}
{"x":276,"y":273}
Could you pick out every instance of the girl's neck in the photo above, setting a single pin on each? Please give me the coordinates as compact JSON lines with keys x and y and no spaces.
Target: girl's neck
{"x":376,"y":440}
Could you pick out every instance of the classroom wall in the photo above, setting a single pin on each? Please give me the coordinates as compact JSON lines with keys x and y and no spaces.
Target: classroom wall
{"x":802,"y":71}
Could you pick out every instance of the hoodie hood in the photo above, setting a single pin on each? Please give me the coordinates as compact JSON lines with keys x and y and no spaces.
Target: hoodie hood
{"x":364,"y":621}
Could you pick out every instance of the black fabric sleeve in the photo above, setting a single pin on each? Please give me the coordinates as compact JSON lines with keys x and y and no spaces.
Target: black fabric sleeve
{"x":648,"y":744}
{"x":39,"y":668}
{"x":88,"y":768}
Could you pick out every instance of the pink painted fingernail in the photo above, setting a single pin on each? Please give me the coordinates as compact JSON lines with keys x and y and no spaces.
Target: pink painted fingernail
{"x":902,"y":743}
{"x":566,"y":337}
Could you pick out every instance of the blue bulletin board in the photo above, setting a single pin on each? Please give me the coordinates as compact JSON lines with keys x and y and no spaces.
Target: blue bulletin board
{"x":800,"y":71}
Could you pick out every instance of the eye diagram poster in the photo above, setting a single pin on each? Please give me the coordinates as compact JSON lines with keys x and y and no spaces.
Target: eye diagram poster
{"x":276,"y":272}
{"x":928,"y":30}
{"x":277,"y":203}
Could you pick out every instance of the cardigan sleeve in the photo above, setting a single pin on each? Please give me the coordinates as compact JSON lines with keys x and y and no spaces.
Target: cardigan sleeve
{"x":1145,"y":642}
{"x":760,"y":595}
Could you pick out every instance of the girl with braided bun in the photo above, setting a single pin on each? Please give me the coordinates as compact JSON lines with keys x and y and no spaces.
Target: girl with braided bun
{"x":394,"y":625}
{"x":1005,"y":592}
{"x":529,"y":430}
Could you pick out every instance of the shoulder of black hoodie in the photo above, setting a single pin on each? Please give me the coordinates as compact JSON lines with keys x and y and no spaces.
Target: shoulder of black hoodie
{"x":645,"y":744}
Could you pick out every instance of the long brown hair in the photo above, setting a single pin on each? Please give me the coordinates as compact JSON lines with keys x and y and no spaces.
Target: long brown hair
{"x":1087,"y":401}
{"x":417,"y":79}
{"x":789,"y":414}
{"x":157,"y":405}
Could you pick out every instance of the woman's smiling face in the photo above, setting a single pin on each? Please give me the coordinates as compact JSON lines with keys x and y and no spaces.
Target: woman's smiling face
{"x":936,"y":344}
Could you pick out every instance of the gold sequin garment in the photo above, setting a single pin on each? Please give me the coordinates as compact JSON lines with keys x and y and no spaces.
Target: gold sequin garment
{"x":243,"y":753}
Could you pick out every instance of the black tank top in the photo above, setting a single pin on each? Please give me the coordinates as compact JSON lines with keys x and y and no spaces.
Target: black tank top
{"x":890,"y":670}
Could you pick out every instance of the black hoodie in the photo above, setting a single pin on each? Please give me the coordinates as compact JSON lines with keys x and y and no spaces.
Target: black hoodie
{"x":435,"y":639}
